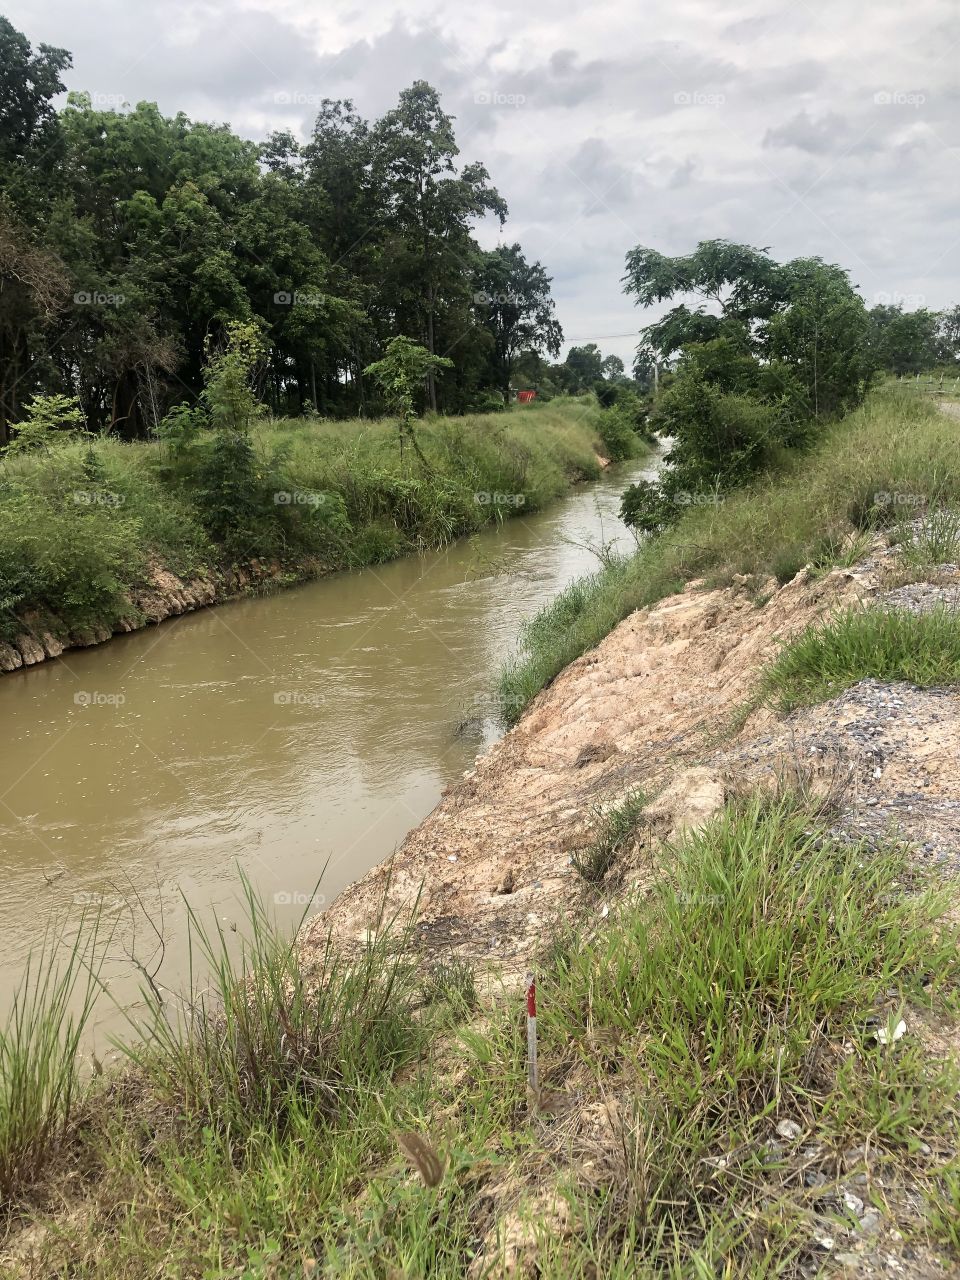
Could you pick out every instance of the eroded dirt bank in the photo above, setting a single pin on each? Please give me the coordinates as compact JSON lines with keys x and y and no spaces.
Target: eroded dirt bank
{"x":655,"y":706}
{"x":44,"y":635}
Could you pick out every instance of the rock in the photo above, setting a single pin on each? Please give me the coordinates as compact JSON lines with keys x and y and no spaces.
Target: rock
{"x":506,"y":884}
{"x":30,"y":650}
{"x":693,"y":797}
{"x":10,"y":659}
{"x":52,"y":647}
{"x":853,"y":1203}
{"x":789,"y":1129}
{"x":870,"y":1222}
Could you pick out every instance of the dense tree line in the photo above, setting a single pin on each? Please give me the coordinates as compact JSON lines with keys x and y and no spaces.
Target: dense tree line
{"x":130,"y":240}
{"x":910,"y":342}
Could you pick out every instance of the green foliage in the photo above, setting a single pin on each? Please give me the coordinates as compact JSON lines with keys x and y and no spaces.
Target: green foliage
{"x":228,"y":374}
{"x":873,"y":643}
{"x":619,"y":435}
{"x":514,"y":306}
{"x":402,"y":371}
{"x":788,"y":351}
{"x":907,"y":342}
{"x":47,"y":419}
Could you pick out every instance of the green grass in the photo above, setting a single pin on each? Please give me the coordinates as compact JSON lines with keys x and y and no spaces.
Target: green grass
{"x":39,"y":1051}
{"x":883,"y":644}
{"x":933,"y":540}
{"x":718,"y":1002}
{"x":80,"y":526}
{"x":812,"y":509}
{"x":264,"y":1137}
{"x":615,"y":826}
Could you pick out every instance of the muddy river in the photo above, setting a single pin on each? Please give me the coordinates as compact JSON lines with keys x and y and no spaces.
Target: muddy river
{"x":282,"y":737}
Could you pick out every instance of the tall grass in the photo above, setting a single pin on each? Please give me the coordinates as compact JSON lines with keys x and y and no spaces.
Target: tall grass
{"x":81,"y":525}
{"x":719,"y":1000}
{"x":269,"y":1040}
{"x":39,"y":1053}
{"x":806,"y":511}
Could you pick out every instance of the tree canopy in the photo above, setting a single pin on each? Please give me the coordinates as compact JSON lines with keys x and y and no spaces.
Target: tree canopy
{"x":129,"y":240}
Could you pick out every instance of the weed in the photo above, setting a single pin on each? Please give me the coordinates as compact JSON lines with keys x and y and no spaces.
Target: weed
{"x":614,"y":828}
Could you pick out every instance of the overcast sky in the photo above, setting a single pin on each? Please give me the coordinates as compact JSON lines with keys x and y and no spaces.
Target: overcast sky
{"x":812,"y":128}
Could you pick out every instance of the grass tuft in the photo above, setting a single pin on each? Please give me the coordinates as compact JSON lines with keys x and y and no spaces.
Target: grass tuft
{"x":614,"y":829}
{"x":882,"y":644}
{"x":39,"y":1045}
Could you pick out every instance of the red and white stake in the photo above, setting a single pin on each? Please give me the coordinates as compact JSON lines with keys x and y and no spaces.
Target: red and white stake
{"x":533,"y":1076}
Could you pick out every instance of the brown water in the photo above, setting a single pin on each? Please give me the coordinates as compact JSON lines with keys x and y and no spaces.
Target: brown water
{"x":285,"y":737}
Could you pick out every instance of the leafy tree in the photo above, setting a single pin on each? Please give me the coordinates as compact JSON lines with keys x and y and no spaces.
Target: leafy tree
{"x":583,"y":367}
{"x":904,"y":341}
{"x":782,"y":348}
{"x":430,"y":207}
{"x":47,"y":417}
{"x":514,"y":304}
{"x":404,"y":369}
{"x":948,"y":335}
{"x":613,"y":369}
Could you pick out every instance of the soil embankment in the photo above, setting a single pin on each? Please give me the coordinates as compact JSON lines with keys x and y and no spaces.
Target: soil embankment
{"x":656,"y":707}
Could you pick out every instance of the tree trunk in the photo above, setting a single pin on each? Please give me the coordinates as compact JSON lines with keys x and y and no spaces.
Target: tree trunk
{"x":431,"y":379}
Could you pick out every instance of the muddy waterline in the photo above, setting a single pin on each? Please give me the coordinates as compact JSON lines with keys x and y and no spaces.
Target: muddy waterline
{"x":290,"y":738}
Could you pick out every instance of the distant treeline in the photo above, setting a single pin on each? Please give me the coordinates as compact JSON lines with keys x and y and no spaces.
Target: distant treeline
{"x":129,"y":240}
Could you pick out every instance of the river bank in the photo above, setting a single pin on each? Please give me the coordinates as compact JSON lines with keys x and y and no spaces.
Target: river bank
{"x":100,"y":538}
{"x":736,"y":883}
